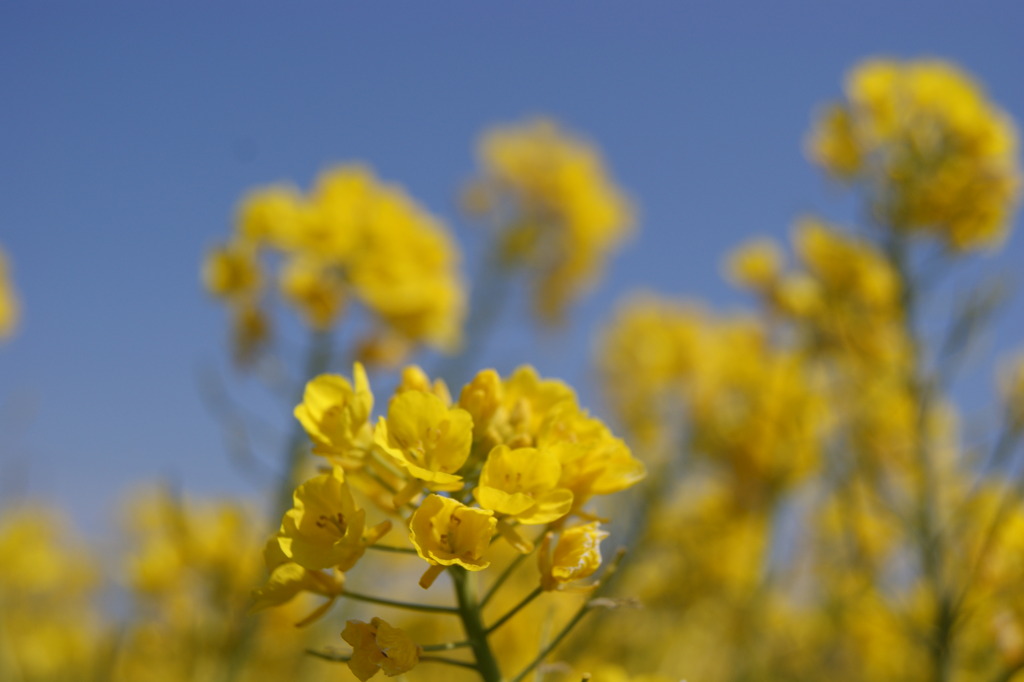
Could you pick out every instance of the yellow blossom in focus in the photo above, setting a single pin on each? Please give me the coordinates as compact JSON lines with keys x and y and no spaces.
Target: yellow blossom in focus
{"x":379,"y":646}
{"x":594,"y":462}
{"x":446,"y":532}
{"x":426,"y":438}
{"x":523,"y":484}
{"x":511,"y":411}
{"x":288,"y":579}
{"x":325,"y":528}
{"x":336,"y":414}
{"x":415,"y":379}
{"x":576,"y":556}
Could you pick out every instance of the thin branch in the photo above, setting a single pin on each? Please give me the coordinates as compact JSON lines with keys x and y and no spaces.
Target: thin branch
{"x":428,"y":608}
{"x":589,"y":605}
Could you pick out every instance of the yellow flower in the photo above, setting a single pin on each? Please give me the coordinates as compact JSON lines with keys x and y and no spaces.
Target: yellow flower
{"x":8,"y":301}
{"x":287,"y":579}
{"x":446,"y":532}
{"x":756,"y":264}
{"x":510,"y":412}
{"x":336,"y":414}
{"x":576,"y":556}
{"x":426,"y":438}
{"x":405,"y":270}
{"x":352,"y":237}
{"x":594,"y":462}
{"x":415,"y":379}
{"x":232,"y":270}
{"x":379,"y":646}
{"x":523,"y":484}
{"x":325,"y":528}
{"x":270,"y":216}
{"x":933,"y":154}
{"x":563,"y":214}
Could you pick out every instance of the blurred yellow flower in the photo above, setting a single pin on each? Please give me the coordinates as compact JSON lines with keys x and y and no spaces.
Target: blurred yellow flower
{"x":561,"y":213}
{"x":934,"y":155}
{"x":352,"y":237}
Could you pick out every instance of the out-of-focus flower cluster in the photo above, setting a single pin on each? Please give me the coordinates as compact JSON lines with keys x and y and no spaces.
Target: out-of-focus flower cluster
{"x":933,"y":154}
{"x":818,"y":508}
{"x":351,"y":238}
{"x":182,"y":591}
{"x":560,"y":213}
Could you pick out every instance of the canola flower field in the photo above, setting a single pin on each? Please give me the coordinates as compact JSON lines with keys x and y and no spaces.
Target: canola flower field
{"x":782,"y":494}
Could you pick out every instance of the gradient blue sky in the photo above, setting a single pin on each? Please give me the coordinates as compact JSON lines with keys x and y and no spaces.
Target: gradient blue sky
{"x":129,"y":131}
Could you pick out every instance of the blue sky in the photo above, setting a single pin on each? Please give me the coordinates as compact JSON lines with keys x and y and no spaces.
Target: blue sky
{"x":130,"y":130}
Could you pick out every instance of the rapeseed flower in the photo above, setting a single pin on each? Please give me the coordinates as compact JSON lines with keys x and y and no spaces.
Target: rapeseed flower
{"x":425,"y":437}
{"x":562,"y":215}
{"x":523,"y":484}
{"x":377,"y":646}
{"x":352,"y":238}
{"x":932,"y":153}
{"x":576,"y":555}
{"x":336,"y":414}
{"x":325,"y":528}
{"x":446,"y":532}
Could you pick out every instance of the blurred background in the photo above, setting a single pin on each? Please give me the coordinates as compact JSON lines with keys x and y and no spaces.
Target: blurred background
{"x":130,"y":131}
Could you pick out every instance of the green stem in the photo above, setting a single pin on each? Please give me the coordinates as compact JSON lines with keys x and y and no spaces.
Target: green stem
{"x":476,"y":633}
{"x":587,"y":606}
{"x":316,"y":363}
{"x":411,"y":606}
{"x":922,"y":387}
{"x":516,"y":609}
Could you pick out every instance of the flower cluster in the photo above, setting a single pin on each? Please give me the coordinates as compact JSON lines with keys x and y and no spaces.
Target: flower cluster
{"x":747,"y":405}
{"x":510,"y":454}
{"x":562,"y":216}
{"x":352,"y":237}
{"x":932,"y":153}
